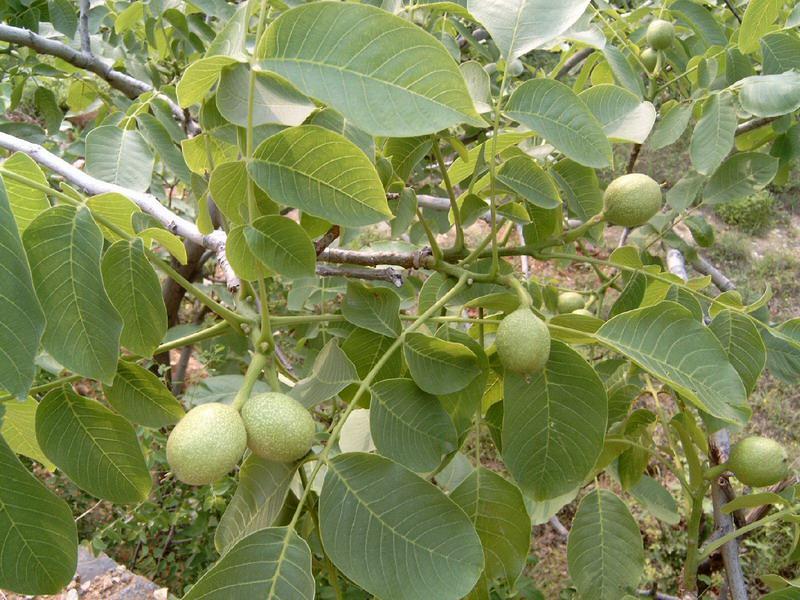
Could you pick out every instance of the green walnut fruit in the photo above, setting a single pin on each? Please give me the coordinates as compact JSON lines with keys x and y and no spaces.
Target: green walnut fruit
{"x":515,"y":68}
{"x":631,"y":200}
{"x":569,"y":302}
{"x":206,"y":444}
{"x":758,"y":461}
{"x":279,"y":428}
{"x":649,"y":59}
{"x":523,"y":342}
{"x":660,"y":34}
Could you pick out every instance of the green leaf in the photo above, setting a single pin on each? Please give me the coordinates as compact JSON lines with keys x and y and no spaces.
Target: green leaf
{"x":783,"y":357}
{"x":282,"y":246}
{"x":38,"y":537}
{"x":406,"y":152}
{"x":274,"y":100}
{"x":48,"y":107}
{"x":364,"y":348}
{"x":410,"y":426}
{"x":437,"y":366}
{"x":322,"y":173}
{"x":63,"y":16}
{"x":18,"y":428}
{"x":604,"y":549}
{"x":670,"y":127}
{"x":158,"y":137}
{"x":270,"y":564}
{"x":135,"y":291}
{"x":21,"y":318}
{"x":623,"y":71}
{"x":496,"y":508}
{"x":331,"y":373}
{"x":656,"y":500}
{"x":199,"y":78}
{"x":770,"y":95}
{"x":373,"y":308}
{"x":83,"y":327}
{"x":141,"y":397}
{"x":259,"y":498}
{"x":219,"y":388}
{"x":623,"y":114}
{"x":386,"y":75}
{"x":781,"y":53}
{"x":524,"y":176}
{"x":95,"y":448}
{"x":757,"y":21}
{"x":669,"y":343}
{"x":519,"y":26}
{"x":740,"y":176}
{"x":713,"y":135}
{"x":26,"y":202}
{"x":230,"y":40}
{"x":743,"y":345}
{"x":580,"y":188}
{"x":228,"y":186}
{"x":117,"y":209}
{"x":243,"y":261}
{"x":753,"y":501}
{"x":552,"y":110}
{"x":330,"y":119}
{"x":119,"y":156}
{"x":554,"y":424}
{"x":683,"y":194}
{"x":393,"y":533}
{"x":702,"y":20}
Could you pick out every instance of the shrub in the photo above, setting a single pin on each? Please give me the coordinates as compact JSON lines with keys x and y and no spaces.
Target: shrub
{"x":751,"y":215}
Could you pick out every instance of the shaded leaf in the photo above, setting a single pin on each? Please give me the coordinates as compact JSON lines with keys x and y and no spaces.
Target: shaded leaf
{"x":554,"y":424}
{"x":141,"y":397}
{"x":393,"y":533}
{"x":409,"y":425}
{"x":135,"y":291}
{"x":83,"y":327}
{"x":94,"y":447}
{"x":38,"y":537}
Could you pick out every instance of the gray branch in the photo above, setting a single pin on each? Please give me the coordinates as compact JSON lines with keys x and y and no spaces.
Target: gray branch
{"x":573,"y":61}
{"x":408,"y":260}
{"x":130,"y":86}
{"x":701,"y":265}
{"x":753,"y":124}
{"x":214,"y":241}
{"x":719,"y":443}
{"x":83,"y":27}
{"x":393,"y":276}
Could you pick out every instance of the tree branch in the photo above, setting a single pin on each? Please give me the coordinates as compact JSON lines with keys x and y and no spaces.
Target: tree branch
{"x":130,"y":86}
{"x":719,"y":446}
{"x":701,"y":265}
{"x":573,"y":61}
{"x":83,"y":27}
{"x":214,"y":241}
{"x":754,"y":124}
{"x":393,"y":276}
{"x":408,"y":260}
{"x":721,"y":494}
